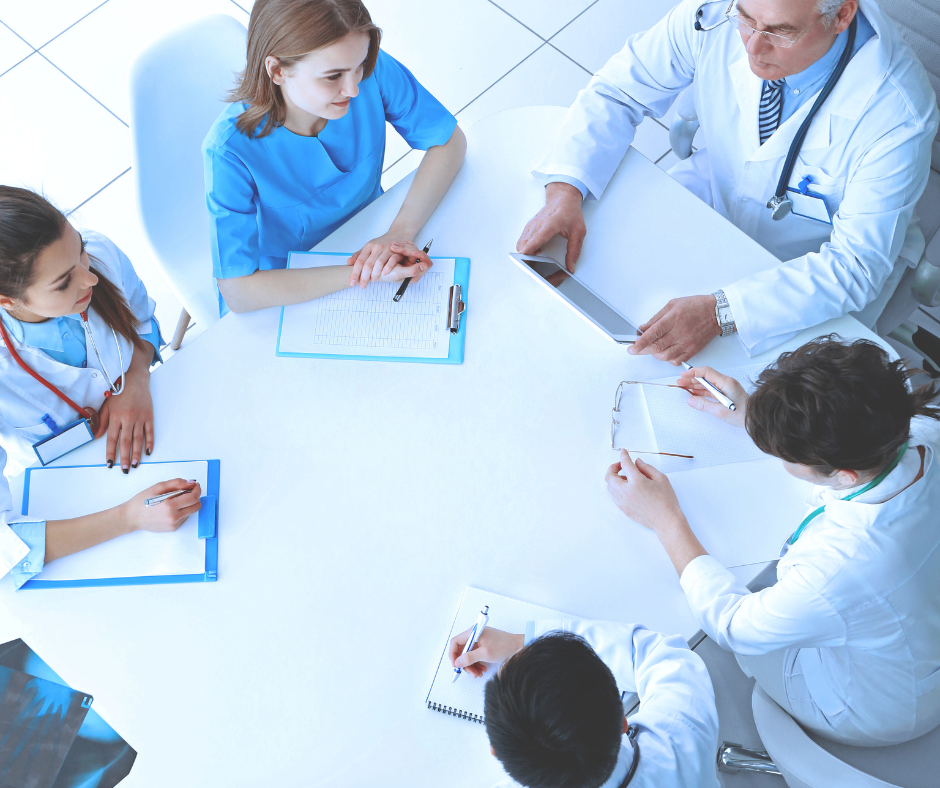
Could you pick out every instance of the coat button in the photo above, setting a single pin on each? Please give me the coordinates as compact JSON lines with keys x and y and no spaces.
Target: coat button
{"x":94,"y":374}
{"x":25,"y":564}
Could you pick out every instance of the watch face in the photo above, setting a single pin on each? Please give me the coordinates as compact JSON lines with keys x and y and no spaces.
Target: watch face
{"x":725,"y":316}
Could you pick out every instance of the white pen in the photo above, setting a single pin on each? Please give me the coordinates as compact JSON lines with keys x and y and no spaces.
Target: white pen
{"x":158,"y":499}
{"x":474,"y":636}
{"x":724,"y":400}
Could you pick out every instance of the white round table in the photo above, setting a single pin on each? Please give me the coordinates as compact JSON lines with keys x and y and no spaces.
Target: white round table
{"x":358,"y":499}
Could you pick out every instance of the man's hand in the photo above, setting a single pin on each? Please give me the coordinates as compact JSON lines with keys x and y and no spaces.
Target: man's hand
{"x":560,"y":216}
{"x":679,"y":330}
{"x":703,"y":400}
{"x":493,"y":645}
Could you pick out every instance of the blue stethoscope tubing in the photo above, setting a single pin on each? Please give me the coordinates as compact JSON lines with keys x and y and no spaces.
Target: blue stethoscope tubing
{"x":780,"y":204}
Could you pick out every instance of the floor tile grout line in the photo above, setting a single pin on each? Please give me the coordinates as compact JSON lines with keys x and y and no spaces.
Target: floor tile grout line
{"x":478,"y":96}
{"x":540,"y":37}
{"x":82,"y":89}
{"x":19,"y":37}
{"x":17,"y":63}
{"x":242,"y":8}
{"x":72,"y":25}
{"x":662,"y":157}
{"x":565,"y":54}
{"x":88,"y":199}
{"x":573,"y":20}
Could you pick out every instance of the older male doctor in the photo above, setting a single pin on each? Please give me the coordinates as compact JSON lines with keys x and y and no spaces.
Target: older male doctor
{"x":756,"y":68}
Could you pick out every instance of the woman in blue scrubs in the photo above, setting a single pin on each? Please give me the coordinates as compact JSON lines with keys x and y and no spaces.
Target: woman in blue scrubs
{"x":300,"y":150}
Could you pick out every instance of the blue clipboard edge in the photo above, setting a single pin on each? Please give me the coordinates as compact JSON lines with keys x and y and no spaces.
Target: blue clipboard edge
{"x":457,"y":341}
{"x":212,"y":543}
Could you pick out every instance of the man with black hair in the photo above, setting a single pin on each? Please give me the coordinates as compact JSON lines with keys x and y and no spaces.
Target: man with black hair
{"x":848,"y":639}
{"x":554,"y":711}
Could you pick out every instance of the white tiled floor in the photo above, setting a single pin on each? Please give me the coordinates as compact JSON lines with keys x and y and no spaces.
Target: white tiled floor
{"x":63,"y":66}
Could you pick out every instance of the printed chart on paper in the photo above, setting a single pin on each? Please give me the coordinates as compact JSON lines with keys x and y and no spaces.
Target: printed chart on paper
{"x":368,"y":322}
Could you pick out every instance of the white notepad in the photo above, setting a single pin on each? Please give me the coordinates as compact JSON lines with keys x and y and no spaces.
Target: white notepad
{"x":63,"y":493}
{"x":464,"y":698}
{"x":683,"y":430}
{"x":368,"y":322}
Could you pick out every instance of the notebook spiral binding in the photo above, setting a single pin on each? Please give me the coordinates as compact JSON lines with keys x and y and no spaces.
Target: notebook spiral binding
{"x":455,"y":712}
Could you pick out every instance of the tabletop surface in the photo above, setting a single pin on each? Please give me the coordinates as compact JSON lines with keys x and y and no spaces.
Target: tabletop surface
{"x":358,"y":499}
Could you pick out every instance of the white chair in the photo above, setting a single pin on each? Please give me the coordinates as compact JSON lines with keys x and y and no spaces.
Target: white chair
{"x":919,"y":23}
{"x":177,"y":89}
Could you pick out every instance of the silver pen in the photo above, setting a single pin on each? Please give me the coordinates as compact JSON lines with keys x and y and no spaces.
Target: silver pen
{"x":723,"y":399}
{"x":158,"y":499}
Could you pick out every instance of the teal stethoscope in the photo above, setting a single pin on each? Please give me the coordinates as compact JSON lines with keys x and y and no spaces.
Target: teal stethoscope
{"x":816,"y":512}
{"x":781,"y":205}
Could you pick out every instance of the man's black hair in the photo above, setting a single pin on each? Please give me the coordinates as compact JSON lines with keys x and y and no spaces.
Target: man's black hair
{"x":554,"y":716}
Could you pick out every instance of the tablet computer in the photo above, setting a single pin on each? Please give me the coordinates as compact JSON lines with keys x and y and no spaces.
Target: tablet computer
{"x":578,"y":296}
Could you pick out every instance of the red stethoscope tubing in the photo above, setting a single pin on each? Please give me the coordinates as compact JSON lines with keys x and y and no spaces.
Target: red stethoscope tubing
{"x":39,"y":378}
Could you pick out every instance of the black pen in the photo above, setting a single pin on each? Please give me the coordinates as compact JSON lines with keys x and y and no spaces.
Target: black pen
{"x":404,"y":285}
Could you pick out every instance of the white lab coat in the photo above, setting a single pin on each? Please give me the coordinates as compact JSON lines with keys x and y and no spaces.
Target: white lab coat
{"x":856,"y":603}
{"x":867,"y":150}
{"x":677,"y":718}
{"x":24,"y":401}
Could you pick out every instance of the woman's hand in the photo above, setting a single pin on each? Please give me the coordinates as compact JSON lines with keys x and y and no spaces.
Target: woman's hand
{"x":493,"y":645}
{"x":129,"y":415}
{"x":703,"y":400}
{"x":380,"y":258}
{"x":163,"y":517}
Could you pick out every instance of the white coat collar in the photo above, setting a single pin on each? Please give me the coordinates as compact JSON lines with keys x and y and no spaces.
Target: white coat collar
{"x":865,"y":72}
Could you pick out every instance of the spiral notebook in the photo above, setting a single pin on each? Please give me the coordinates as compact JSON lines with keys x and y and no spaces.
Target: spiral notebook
{"x":464,"y":698}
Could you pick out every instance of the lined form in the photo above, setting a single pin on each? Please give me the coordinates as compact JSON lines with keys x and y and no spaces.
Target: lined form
{"x":368,"y":322}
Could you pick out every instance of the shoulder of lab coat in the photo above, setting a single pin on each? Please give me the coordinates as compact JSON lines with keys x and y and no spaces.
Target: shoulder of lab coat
{"x":120,"y":271}
{"x":677,"y":718}
{"x":642,"y":79}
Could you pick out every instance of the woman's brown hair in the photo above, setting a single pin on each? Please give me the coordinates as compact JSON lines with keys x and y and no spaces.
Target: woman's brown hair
{"x":288,"y":30}
{"x":28,"y":225}
{"x":836,"y":405}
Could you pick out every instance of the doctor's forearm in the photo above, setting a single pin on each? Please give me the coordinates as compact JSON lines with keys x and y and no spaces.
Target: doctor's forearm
{"x":435,"y":174}
{"x":282,"y":287}
{"x":681,"y":544}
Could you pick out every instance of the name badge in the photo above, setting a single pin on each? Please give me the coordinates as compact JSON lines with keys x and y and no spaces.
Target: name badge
{"x":808,"y":204}
{"x":64,"y":440}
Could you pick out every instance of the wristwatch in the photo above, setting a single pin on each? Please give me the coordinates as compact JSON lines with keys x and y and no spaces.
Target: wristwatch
{"x":723,"y":313}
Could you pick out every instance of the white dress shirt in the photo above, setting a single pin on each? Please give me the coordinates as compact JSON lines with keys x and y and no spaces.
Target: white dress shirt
{"x":677,"y":719}
{"x":867,"y":152}
{"x":857,"y":603}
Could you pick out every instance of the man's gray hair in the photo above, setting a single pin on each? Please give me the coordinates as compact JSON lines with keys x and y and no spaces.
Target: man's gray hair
{"x":828,"y":9}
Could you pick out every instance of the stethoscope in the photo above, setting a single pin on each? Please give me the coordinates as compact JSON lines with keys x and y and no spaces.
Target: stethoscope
{"x":115,"y":389}
{"x":780,"y":205}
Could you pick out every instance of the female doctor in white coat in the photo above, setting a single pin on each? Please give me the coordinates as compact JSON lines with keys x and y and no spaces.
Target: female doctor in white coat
{"x":848,"y":639}
{"x":78,"y":337}
{"x":866,"y":155}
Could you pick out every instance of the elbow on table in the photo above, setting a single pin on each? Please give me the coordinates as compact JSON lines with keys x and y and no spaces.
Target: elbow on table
{"x":458,"y":145}
{"x":237,"y":293}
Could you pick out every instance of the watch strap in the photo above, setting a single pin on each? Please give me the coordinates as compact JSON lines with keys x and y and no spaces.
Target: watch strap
{"x":727,"y":326}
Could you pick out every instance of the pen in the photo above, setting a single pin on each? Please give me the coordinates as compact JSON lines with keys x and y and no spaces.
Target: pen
{"x":714,"y":391}
{"x":158,"y":499}
{"x":406,"y":282}
{"x":474,"y":636}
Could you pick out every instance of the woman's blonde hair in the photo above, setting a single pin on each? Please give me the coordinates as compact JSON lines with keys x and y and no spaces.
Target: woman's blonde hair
{"x":288,"y":30}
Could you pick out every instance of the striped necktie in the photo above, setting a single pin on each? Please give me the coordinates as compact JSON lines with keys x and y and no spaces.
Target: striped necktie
{"x":771,"y":108}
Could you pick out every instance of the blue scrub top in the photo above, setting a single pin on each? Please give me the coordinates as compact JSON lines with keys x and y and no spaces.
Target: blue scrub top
{"x":272,"y":195}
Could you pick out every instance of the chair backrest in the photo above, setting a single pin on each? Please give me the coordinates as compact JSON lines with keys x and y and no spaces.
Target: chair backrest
{"x":919,"y":24}
{"x":177,"y":89}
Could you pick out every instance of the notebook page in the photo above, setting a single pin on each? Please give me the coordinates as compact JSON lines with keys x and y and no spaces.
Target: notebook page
{"x":368,"y":322}
{"x":465,"y":696}
{"x":684,"y":430}
{"x":62,"y":493}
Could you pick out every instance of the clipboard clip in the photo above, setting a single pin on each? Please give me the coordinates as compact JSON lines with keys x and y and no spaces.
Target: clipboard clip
{"x":455,"y":308}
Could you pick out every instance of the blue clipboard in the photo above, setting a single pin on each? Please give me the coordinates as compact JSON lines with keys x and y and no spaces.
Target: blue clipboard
{"x":207,"y":528}
{"x":455,"y":351}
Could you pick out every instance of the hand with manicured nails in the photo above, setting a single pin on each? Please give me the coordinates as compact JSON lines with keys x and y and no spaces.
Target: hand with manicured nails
{"x":128,"y":416}
{"x":388,"y":258}
{"x":493,"y":645}
{"x":166,"y":516}
{"x":561,"y":216}
{"x":703,"y":400}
